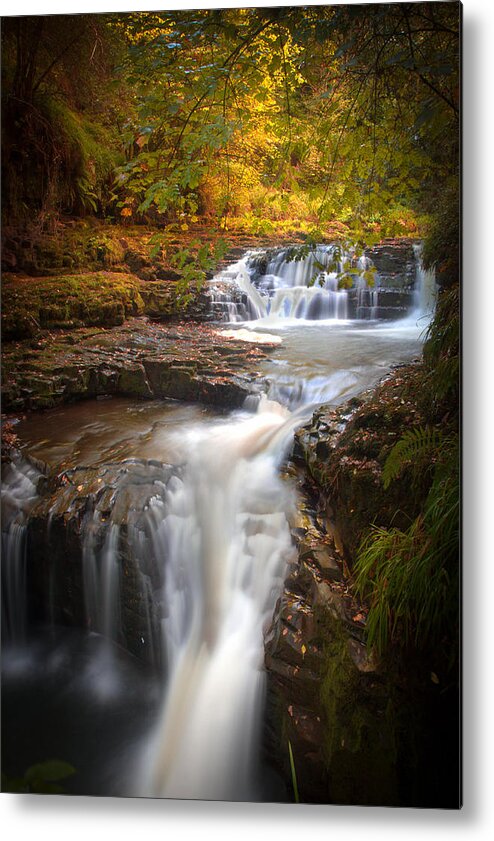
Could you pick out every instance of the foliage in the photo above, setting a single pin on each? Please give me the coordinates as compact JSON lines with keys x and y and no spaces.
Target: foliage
{"x":259,"y":119}
{"x":86,"y":161}
{"x":413,"y":445}
{"x":60,"y":125}
{"x":42,"y":778}
{"x":345,"y":109}
{"x":411,"y":576}
{"x":193,"y":261}
{"x":442,"y":357}
{"x":442,"y":242}
{"x":293,"y":773}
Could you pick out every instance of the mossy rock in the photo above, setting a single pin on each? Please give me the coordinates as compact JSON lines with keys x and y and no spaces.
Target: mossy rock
{"x":360,"y":747}
{"x":67,"y":301}
{"x":133,"y":382}
{"x":105,"y":250}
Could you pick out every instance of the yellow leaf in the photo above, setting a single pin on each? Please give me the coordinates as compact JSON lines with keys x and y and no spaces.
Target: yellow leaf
{"x":303,"y":650}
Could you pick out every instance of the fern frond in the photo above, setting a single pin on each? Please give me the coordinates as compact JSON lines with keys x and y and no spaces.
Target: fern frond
{"x":410,"y":579}
{"x":413,"y":445}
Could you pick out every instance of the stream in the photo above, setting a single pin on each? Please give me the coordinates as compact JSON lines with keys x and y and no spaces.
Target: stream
{"x":216,"y":530}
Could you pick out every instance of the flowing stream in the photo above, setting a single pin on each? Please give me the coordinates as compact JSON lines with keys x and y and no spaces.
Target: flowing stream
{"x":216,"y":529}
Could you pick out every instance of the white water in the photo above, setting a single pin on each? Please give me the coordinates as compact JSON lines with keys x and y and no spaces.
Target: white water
{"x":228,"y":540}
{"x":220,"y":531}
{"x":228,"y":544}
{"x":425,"y":289}
{"x":19,"y":492}
{"x":305,"y":288}
{"x":101,"y":578}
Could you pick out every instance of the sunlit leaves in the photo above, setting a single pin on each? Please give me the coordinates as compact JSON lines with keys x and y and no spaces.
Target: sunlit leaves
{"x":240,"y":106}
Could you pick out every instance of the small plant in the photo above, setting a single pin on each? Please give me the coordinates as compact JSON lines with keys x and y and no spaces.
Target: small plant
{"x":415,"y":444}
{"x":441,"y":354}
{"x":342,"y":259}
{"x":410,"y":577}
{"x":293,"y":773}
{"x":193,"y":262}
{"x":42,"y":778}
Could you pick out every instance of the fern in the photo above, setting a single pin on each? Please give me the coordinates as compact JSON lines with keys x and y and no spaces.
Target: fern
{"x":412,"y":446}
{"x":410,"y":578}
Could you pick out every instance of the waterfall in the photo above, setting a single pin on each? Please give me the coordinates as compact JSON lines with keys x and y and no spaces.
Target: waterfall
{"x":19,"y":492}
{"x":101,"y":577}
{"x":228,"y":542}
{"x":182,"y":564}
{"x":281,"y":288}
{"x":305,"y":285}
{"x":425,"y":287}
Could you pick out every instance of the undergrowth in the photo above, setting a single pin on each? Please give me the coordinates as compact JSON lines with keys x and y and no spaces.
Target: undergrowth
{"x":410,"y":577}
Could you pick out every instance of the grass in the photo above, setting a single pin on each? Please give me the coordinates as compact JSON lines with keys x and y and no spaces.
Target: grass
{"x":293,"y":773}
{"x":410,"y":577}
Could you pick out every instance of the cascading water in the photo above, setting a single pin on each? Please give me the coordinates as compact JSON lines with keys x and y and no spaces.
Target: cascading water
{"x":209,"y":537}
{"x":228,"y":544}
{"x":289,"y":286}
{"x":425,"y":293}
{"x":299,"y":286}
{"x":101,"y":574}
{"x":19,"y":492}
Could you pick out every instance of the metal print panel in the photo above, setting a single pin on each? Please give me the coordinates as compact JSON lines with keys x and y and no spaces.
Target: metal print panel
{"x":230,"y":429}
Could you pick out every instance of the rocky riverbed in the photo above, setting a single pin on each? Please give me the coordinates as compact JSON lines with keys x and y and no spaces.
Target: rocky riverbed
{"x":355,"y":725}
{"x":186,"y":361}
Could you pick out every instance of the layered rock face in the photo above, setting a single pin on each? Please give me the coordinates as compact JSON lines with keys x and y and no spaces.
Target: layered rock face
{"x":393,"y":295}
{"x":327,"y":697}
{"x":93,"y":560}
{"x":140,"y":359}
{"x":362,"y":730}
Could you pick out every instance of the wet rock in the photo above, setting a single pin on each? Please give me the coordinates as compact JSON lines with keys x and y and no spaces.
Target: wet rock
{"x":68,"y":531}
{"x":133,"y":382}
{"x":345,"y":449}
{"x":186,"y":361}
{"x":326,"y":696}
{"x":394,"y":258}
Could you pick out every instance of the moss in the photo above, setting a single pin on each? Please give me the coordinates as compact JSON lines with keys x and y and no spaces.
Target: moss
{"x":66,"y":301}
{"x":132,"y":381}
{"x":360,"y":747}
{"x":104,"y":249}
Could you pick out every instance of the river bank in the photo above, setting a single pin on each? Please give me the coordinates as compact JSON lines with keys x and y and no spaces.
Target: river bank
{"x":107,"y":538}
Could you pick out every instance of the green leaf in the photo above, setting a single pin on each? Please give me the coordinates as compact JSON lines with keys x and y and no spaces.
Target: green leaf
{"x":50,"y":771}
{"x":293,"y":773}
{"x":414,"y":444}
